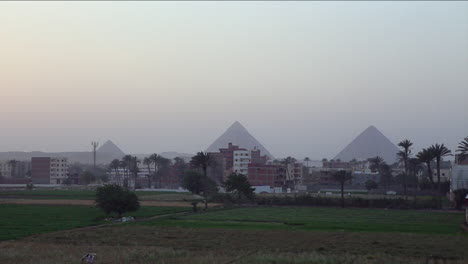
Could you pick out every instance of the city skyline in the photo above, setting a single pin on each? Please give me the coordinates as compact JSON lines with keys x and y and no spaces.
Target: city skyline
{"x":305,"y":78}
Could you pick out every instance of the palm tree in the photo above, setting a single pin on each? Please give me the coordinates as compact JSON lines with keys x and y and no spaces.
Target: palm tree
{"x":158,"y":162}
{"x":147,"y":161}
{"x":307,"y":159}
{"x":404,"y":155}
{"x":463,"y":149}
{"x":133,"y":166}
{"x":342,"y":176}
{"x":439,"y":151}
{"x":202,"y":160}
{"x":114,"y":165}
{"x":375,"y":164}
{"x":414,"y":167}
{"x":125,"y":163}
{"x":426,"y":156}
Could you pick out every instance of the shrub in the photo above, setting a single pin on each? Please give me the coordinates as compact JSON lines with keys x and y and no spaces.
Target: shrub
{"x":112,"y":198}
{"x":459,"y":197}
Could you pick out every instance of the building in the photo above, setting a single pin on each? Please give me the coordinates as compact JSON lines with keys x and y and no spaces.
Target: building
{"x":241,"y":161}
{"x":49,"y":170}
{"x":459,"y":174}
{"x":5,"y":169}
{"x":265,"y":174}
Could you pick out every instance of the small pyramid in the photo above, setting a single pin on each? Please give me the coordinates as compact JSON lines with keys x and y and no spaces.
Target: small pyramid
{"x":238,"y":135}
{"x":370,"y":143}
{"x":110,"y":148}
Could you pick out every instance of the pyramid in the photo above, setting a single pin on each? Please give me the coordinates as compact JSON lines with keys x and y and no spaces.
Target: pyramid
{"x":369,"y":144}
{"x":238,"y":135}
{"x":110,"y":148}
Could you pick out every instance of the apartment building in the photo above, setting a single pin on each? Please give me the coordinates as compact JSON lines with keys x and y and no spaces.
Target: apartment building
{"x":241,"y":161}
{"x":49,"y":170}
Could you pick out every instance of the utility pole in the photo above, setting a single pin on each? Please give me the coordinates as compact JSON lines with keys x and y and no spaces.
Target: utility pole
{"x":95,"y":144}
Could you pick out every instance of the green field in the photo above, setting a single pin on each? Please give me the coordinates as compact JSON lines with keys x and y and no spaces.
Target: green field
{"x":66,"y":194}
{"x":23,"y":220}
{"x":304,"y":218}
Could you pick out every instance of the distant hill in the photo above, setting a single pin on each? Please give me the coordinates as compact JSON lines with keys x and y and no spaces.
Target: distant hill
{"x":370,"y":143}
{"x":238,"y":135}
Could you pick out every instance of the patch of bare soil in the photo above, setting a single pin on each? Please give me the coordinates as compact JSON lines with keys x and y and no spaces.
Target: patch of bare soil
{"x":145,"y":244}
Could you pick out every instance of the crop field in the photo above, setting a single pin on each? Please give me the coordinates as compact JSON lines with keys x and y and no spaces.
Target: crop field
{"x":309,"y":218}
{"x":23,"y":220}
{"x":239,"y":235}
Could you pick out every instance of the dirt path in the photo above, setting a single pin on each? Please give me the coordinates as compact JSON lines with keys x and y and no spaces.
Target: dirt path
{"x":91,"y":202}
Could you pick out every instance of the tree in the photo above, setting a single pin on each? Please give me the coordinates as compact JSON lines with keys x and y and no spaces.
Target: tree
{"x":180,"y":167}
{"x":386,"y":175}
{"x":426,"y":156}
{"x":87,"y":177}
{"x":439,"y":151}
{"x":404,"y":155}
{"x":342,"y":176}
{"x":307,"y":159}
{"x":370,"y":184}
{"x":201,"y":160}
{"x":239,"y":184}
{"x":459,"y":197}
{"x":414,"y":167}
{"x":133,"y":166}
{"x":375,"y":164}
{"x":199,"y":184}
{"x":193,"y":182}
{"x":147,"y":161}
{"x":115,"y":165}
{"x":463,"y":149}
{"x":112,"y":198}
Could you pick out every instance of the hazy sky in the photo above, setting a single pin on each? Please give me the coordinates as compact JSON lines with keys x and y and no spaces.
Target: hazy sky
{"x":304,"y":78}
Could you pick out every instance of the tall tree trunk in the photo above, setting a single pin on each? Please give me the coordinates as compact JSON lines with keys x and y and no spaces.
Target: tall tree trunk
{"x":404,"y":176}
{"x":429,"y":171}
{"x":342,"y":194}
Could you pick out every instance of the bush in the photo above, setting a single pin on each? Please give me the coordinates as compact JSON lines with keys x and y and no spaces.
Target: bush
{"x":112,"y":198}
{"x":310,"y":200}
{"x":459,"y":197}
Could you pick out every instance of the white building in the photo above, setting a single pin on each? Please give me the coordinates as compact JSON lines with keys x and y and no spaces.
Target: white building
{"x":241,"y":160}
{"x":58,"y":169}
{"x":5,"y":168}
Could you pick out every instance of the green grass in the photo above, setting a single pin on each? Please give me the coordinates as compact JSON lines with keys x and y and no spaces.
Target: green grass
{"x":66,"y":194}
{"x":348,"y":219}
{"x":18,"y":221}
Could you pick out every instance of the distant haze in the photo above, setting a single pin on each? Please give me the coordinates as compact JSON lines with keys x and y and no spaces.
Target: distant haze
{"x":304,"y":78}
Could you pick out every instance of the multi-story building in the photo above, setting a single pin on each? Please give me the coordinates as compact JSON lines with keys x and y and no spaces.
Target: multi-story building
{"x":5,"y":169}
{"x":241,"y":161}
{"x":459,"y":174}
{"x":265,"y":174}
{"x":49,"y":170}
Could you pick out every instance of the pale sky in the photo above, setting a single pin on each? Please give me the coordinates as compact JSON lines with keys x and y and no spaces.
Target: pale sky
{"x":304,"y":78}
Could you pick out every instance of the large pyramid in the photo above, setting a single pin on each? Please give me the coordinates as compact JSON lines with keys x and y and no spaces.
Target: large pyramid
{"x":368,"y":144}
{"x":110,"y":148}
{"x":238,"y":135}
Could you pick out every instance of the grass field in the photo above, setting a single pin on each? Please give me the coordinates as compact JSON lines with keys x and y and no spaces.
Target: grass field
{"x":23,"y":220}
{"x":305,"y":218}
{"x":241,"y":235}
{"x":67,"y":194}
